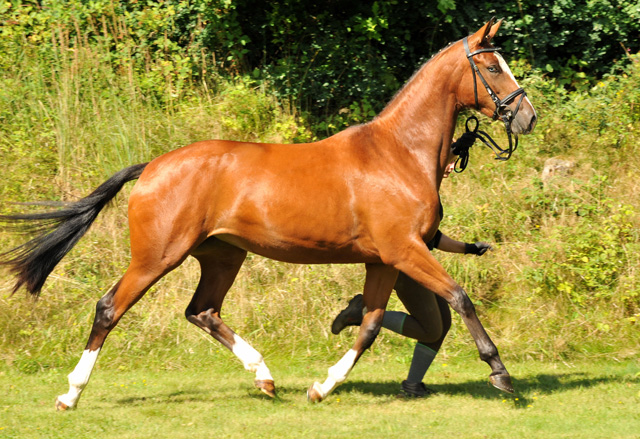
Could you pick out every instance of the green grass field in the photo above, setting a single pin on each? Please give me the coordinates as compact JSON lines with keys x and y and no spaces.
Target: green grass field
{"x":553,"y":400}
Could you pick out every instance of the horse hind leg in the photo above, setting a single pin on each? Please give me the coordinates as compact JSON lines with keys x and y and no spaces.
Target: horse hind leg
{"x":220,"y":263}
{"x":110,"y":308}
{"x":377,"y":289}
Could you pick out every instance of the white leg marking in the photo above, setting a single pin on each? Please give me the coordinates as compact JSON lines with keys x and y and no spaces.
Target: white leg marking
{"x":251,"y":359}
{"x":337,"y":373}
{"x":79,"y":378}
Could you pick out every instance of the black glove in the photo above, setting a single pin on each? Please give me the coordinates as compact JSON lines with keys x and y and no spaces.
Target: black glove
{"x":478,"y":249}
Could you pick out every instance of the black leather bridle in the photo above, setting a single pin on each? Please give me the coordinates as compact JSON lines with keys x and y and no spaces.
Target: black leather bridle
{"x":501,"y":112}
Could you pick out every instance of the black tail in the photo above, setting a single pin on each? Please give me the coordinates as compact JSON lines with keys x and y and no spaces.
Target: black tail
{"x":57,"y":232}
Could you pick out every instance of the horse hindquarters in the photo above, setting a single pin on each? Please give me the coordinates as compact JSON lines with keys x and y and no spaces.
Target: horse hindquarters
{"x":155,"y":251}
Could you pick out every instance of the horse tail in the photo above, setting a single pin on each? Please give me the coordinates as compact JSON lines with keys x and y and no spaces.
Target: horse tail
{"x":57,"y":231}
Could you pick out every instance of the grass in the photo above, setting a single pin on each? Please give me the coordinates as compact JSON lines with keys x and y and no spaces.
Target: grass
{"x":554,"y":400}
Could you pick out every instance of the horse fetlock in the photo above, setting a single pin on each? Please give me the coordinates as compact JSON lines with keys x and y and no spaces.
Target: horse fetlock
{"x":78,"y":380}
{"x":70,"y":399}
{"x":490,"y":355}
{"x":251,"y":359}
{"x":260,"y":369}
{"x":337,"y":374}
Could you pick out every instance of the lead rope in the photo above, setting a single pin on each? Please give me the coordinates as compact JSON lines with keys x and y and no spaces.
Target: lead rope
{"x":461,"y":146}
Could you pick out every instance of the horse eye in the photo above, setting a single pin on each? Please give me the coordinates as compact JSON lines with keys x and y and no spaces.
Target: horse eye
{"x":493,"y":69}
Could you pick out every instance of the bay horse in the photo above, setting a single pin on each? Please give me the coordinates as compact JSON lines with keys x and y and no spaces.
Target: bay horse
{"x":368,"y":194}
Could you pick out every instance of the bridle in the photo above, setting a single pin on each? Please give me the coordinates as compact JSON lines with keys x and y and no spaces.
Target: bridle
{"x":501,"y":112}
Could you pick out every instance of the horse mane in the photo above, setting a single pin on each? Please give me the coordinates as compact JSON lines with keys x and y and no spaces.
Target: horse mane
{"x":411,"y":79}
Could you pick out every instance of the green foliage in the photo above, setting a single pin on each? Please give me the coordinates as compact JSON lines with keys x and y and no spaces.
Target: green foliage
{"x":328,"y":57}
{"x":585,"y":259}
{"x":340,"y":61}
{"x":573,"y":40}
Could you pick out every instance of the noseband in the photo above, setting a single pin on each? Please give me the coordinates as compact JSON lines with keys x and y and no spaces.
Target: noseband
{"x":501,"y":112}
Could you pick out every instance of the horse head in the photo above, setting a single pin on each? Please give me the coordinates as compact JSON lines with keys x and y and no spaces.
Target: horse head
{"x":498,"y":95}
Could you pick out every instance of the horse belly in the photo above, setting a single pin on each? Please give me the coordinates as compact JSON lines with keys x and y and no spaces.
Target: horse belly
{"x":304,"y":252}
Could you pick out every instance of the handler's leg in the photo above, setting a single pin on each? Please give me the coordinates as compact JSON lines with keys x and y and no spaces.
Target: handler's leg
{"x":422,"y":304}
{"x":428,"y":322}
{"x":423,"y":323}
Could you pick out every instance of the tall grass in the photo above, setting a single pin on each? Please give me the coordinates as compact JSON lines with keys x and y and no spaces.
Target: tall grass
{"x":561,"y":282}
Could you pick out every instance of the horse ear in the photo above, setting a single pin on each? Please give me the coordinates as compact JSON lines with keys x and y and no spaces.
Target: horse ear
{"x":487,"y":32}
{"x":494,"y":30}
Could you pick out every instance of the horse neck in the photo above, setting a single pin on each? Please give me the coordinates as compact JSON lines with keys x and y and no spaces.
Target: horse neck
{"x":422,"y":116}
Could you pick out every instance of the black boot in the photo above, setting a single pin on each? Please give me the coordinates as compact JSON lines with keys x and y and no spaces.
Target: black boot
{"x":350,"y":316}
{"x":415,"y":390}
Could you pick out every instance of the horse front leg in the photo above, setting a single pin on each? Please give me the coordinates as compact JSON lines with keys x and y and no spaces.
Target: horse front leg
{"x":488,"y":351}
{"x":378,"y":284}
{"x":421,"y":266}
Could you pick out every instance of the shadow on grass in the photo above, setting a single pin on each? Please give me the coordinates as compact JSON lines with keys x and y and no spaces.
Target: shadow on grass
{"x":210,"y":395}
{"x":525,"y":387}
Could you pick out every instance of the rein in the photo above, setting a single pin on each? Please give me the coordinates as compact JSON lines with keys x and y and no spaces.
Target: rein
{"x":502,"y":112}
{"x":461,"y":146}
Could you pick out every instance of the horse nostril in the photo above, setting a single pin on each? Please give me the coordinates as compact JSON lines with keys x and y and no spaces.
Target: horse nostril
{"x":532,"y":124}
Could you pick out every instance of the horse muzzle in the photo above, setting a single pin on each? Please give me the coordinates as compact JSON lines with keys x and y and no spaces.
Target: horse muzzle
{"x":524,"y":121}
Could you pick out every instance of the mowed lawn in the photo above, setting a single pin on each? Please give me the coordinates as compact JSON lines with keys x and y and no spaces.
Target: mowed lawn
{"x":587,"y":399}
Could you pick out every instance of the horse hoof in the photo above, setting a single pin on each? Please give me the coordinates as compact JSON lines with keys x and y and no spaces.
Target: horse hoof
{"x":267,"y":387}
{"x":314,"y":394}
{"x":61,"y":406}
{"x":502,"y":382}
